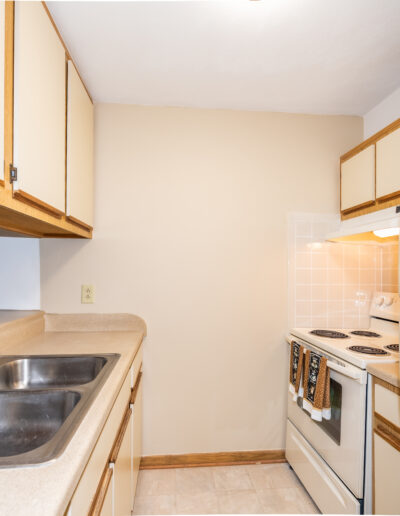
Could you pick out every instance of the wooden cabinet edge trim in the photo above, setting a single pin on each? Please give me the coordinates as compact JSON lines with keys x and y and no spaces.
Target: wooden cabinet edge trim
{"x":101,"y":492}
{"x":79,"y":223}
{"x":120,"y":436}
{"x":371,"y":140}
{"x":387,"y":385}
{"x":381,"y":419}
{"x":37,"y":203}
{"x":387,"y":436}
{"x":14,"y":229}
{"x":136,"y":388}
{"x":388,"y":197}
{"x":69,"y":57}
{"x":358,"y":207}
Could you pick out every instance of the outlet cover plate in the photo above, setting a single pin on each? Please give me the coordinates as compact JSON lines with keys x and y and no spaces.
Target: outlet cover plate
{"x":87,"y":294}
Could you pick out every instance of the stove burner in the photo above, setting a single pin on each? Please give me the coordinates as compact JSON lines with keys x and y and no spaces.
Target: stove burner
{"x":368,"y":350}
{"x":392,"y":347}
{"x":329,"y":333}
{"x":363,"y":333}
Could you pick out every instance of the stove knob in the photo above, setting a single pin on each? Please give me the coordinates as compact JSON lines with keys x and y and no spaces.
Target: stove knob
{"x":387,"y":300}
{"x":379,"y":301}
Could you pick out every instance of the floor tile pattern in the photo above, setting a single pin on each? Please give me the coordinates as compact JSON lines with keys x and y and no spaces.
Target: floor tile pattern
{"x":255,"y":489}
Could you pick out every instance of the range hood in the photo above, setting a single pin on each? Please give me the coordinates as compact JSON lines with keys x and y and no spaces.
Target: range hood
{"x":361,"y":229}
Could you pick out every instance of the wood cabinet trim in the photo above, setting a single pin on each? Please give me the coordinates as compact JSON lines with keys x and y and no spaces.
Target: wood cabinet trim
{"x":79,"y":223}
{"x":101,"y":492}
{"x":388,"y":196}
{"x":136,"y":388}
{"x":358,"y":207}
{"x":371,"y":140}
{"x":388,"y":436}
{"x":37,"y":203}
{"x":387,"y":385}
{"x":120,"y":436}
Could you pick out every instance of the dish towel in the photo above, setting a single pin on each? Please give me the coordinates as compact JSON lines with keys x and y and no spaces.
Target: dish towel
{"x":296,"y":370}
{"x":316,"y":386}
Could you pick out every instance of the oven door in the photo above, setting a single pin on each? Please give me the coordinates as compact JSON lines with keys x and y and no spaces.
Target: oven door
{"x":341,"y":440}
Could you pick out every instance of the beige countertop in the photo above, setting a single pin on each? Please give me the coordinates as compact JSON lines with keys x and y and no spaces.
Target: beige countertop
{"x":46,"y":489}
{"x":390,"y":373}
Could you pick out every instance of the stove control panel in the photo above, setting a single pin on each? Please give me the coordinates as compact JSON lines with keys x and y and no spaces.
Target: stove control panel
{"x":385,"y":305}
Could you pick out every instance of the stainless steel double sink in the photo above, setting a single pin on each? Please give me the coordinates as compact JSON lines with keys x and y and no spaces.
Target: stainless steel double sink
{"x":43,"y":399}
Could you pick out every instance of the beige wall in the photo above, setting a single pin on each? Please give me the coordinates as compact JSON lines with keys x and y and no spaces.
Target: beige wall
{"x":191,"y":234}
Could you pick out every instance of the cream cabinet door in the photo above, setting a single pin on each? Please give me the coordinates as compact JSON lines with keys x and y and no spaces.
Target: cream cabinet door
{"x":39,"y":109}
{"x":136,"y":438}
{"x":122,"y":474}
{"x":2,"y":38}
{"x":388,"y":165}
{"x":358,"y":179}
{"x":386,"y":468}
{"x":79,"y":150}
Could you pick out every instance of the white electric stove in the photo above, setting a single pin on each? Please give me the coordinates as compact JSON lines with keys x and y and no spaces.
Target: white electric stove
{"x":333,"y":458}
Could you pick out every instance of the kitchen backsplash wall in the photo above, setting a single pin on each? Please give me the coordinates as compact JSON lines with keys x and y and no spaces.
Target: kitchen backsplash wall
{"x":331,"y":284}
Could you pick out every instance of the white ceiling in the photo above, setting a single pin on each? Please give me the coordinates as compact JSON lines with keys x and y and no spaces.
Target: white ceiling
{"x":307,"y":56}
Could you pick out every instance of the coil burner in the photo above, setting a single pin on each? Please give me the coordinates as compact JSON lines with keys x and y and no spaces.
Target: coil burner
{"x":363,"y":333}
{"x":330,"y":334}
{"x":392,"y":347}
{"x":368,"y":350}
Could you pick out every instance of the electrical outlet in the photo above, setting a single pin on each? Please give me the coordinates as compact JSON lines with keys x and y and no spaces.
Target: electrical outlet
{"x":87,"y":294}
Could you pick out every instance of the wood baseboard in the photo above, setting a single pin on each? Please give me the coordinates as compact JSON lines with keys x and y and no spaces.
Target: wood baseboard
{"x":193,"y":460}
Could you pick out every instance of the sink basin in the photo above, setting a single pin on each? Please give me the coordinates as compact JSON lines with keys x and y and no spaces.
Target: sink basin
{"x":30,"y":419}
{"x":43,"y":399}
{"x":50,"y":371}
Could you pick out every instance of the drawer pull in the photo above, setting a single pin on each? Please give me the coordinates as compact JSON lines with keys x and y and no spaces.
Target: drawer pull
{"x":387,"y":430}
{"x":136,"y":388}
{"x":101,"y":492}
{"x":120,"y":435}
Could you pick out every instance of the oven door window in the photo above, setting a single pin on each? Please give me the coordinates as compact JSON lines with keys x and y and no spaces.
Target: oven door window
{"x":331,"y":426}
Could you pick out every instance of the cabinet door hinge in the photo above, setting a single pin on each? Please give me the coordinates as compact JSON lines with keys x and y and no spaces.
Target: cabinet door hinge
{"x":13,"y":173}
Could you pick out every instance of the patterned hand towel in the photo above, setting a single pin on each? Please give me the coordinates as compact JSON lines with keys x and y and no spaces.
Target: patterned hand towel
{"x":296,"y":370}
{"x":316,"y":385}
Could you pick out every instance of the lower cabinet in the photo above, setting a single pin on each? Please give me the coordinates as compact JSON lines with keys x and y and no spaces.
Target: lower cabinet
{"x":122,"y":486}
{"x":108,"y":483}
{"x":386,"y":442}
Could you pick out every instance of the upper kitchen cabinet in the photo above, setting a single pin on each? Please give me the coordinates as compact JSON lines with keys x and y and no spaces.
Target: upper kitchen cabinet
{"x":388,"y":166}
{"x":39,"y":197}
{"x":79,"y":151}
{"x":39,"y":109}
{"x":2,"y":38}
{"x":358,"y":180}
{"x":370,"y":174}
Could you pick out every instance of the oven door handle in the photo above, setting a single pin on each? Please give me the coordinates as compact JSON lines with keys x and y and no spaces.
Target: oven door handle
{"x":360,"y":376}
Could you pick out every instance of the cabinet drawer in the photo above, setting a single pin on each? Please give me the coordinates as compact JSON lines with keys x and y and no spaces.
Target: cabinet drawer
{"x":358,"y":180}
{"x":387,"y":404}
{"x":87,"y":487}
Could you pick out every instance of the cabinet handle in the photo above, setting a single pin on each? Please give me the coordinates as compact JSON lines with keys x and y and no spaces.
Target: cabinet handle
{"x":101,"y":492}
{"x":136,"y":388}
{"x":388,"y":436}
{"x":120,"y":436}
